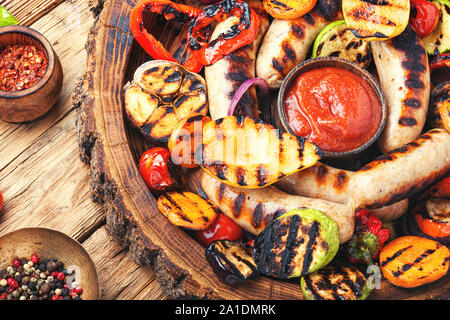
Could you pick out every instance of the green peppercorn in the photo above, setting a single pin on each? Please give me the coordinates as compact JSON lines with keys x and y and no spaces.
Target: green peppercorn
{"x":33,"y":279}
{"x":23,"y":298}
{"x":3,"y":283}
{"x":43,"y":275}
{"x":15,"y":294}
{"x":58,"y":292}
{"x":40,"y":282}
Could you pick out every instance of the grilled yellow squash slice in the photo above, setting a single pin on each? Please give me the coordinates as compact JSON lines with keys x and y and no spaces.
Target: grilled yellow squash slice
{"x":187,"y":210}
{"x":248,"y":153}
{"x":161,"y":95}
{"x":376,"y":19}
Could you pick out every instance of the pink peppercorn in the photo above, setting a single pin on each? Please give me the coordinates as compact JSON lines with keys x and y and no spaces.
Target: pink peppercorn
{"x":12,"y":283}
{"x":79,"y":290}
{"x":16,"y":263}
{"x":34,"y":258}
{"x":55,"y":297}
{"x":60,"y":276}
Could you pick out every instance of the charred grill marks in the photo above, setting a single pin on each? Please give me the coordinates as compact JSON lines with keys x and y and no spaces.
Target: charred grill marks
{"x":394,"y":256}
{"x":312,"y":234}
{"x":238,"y":204}
{"x":291,"y":245}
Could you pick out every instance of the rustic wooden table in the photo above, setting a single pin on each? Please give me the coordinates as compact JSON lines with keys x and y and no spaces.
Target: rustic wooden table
{"x":42,"y":179}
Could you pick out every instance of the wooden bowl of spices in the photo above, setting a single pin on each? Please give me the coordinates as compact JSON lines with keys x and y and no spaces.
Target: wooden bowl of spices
{"x":48,"y":246}
{"x":31,"y":75}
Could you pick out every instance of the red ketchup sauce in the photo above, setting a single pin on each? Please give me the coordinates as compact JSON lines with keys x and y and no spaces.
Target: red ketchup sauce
{"x":333,"y":107}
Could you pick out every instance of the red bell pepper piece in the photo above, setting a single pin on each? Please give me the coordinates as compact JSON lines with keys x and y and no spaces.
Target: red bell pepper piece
{"x":181,"y":13}
{"x":441,"y":61}
{"x":241,"y":34}
{"x":369,"y":238}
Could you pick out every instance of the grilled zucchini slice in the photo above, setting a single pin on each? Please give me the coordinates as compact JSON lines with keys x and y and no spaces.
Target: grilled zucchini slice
{"x":232,"y":261}
{"x":299,"y":242}
{"x":337,"y":40}
{"x":335,"y":283}
{"x":248,"y":153}
{"x":187,"y":210}
{"x":439,"y":40}
{"x":161,"y":95}
{"x":376,"y":19}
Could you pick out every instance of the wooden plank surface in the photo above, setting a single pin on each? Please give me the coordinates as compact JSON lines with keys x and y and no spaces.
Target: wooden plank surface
{"x":41,"y":177}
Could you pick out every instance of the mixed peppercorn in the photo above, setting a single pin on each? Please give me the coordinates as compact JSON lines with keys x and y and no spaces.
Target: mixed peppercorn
{"x":37,"y":279}
{"x":21,"y":67}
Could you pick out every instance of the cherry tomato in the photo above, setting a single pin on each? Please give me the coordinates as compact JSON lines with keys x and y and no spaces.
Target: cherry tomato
{"x":222,"y":229}
{"x":424,"y":17}
{"x":158,"y":171}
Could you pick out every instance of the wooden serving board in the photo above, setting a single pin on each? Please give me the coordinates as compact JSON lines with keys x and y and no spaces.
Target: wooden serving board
{"x":112,"y":149}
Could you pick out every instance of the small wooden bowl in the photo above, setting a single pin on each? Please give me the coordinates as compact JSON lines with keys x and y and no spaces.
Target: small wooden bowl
{"x":34,"y":102}
{"x":47,"y":243}
{"x":279,"y":116}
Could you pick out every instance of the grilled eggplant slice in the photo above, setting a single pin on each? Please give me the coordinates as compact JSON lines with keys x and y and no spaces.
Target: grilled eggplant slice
{"x":187,"y":210}
{"x":248,"y":153}
{"x":376,"y":19}
{"x":161,"y":95}
{"x":337,"y":40}
{"x":439,"y":112}
{"x":439,"y":40}
{"x":232,"y":261}
{"x":335,"y":283}
{"x":296,"y":244}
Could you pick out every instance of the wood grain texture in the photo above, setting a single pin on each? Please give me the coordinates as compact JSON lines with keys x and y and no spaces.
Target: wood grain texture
{"x":41,"y":177}
{"x":112,"y":149}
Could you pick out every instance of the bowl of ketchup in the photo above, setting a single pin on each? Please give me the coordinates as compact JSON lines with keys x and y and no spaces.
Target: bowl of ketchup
{"x":333,"y":103}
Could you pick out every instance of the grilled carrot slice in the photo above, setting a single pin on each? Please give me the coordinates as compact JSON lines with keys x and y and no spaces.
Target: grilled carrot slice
{"x":376,"y":19}
{"x":412,"y":261}
{"x":187,"y":210}
{"x":248,"y":153}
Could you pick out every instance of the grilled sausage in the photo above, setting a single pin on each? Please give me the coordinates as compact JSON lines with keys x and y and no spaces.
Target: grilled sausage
{"x":287,"y":42}
{"x":226,"y":76}
{"x":325,"y":182}
{"x":388,"y":179}
{"x":254,"y":209}
{"x":402,"y":65}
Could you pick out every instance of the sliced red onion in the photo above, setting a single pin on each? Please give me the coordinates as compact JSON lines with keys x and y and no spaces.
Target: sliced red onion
{"x":264,"y":93}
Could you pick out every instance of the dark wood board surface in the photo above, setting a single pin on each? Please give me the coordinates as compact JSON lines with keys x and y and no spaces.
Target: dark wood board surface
{"x":111,"y":149}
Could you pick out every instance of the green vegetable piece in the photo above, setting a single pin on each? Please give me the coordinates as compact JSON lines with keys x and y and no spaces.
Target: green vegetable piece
{"x":337,"y":40}
{"x":335,"y":283}
{"x":299,"y":242}
{"x":439,"y":40}
{"x":6,"y":19}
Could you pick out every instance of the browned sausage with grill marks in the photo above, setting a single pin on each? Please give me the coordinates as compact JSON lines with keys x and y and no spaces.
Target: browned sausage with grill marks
{"x":390,"y":178}
{"x":402,"y":65}
{"x":226,"y":76}
{"x":287,"y":42}
{"x":325,"y":182}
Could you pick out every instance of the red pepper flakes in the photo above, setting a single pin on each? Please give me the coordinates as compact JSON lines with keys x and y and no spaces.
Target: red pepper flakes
{"x":21,"y":67}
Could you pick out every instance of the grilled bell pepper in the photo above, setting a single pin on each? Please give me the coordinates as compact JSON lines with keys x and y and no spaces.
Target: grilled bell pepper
{"x":441,"y":61}
{"x":239,"y":35}
{"x":369,"y":238}
{"x":179,"y":12}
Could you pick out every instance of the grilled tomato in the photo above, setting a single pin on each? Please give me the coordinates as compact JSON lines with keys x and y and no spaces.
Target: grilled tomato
{"x":158,"y":171}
